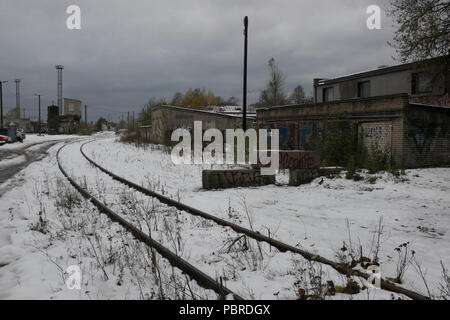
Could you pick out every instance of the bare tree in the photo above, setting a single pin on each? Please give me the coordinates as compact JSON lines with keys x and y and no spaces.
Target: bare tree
{"x":177,"y":99}
{"x":274,"y":94}
{"x":232,"y":101}
{"x":424,"y":28}
{"x":298,"y":95}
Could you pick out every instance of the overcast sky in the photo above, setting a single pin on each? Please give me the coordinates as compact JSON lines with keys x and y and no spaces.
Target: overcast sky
{"x":130,"y":50}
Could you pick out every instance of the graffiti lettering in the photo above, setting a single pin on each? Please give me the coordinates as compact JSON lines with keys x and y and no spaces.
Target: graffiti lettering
{"x":222,"y":179}
{"x":440,"y":101}
{"x":299,"y":160}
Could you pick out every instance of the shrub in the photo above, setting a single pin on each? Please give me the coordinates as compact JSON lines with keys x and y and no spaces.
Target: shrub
{"x":84,"y":130}
{"x":338,"y":144}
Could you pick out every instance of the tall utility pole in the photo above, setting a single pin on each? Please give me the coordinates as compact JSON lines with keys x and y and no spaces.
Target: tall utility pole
{"x":85,"y":114}
{"x":39,"y":108}
{"x":17,"y":81}
{"x":244,"y":98}
{"x":1,"y":103}
{"x":60,"y":68}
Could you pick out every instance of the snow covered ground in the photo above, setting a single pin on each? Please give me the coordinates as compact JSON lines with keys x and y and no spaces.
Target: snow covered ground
{"x":45,"y":226}
{"x":314,"y":216}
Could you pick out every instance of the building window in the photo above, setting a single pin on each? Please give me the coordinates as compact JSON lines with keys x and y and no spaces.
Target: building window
{"x":364,"y":89}
{"x":421,"y":83}
{"x":328,"y":94}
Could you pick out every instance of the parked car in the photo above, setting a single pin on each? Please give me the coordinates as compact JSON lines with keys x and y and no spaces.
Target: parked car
{"x":20,"y":135}
{"x":4,"y":140}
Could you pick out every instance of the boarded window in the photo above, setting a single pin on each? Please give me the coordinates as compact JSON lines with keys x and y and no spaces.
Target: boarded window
{"x":421,"y":83}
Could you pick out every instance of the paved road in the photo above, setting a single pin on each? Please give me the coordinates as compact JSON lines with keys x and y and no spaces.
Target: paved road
{"x":17,"y":159}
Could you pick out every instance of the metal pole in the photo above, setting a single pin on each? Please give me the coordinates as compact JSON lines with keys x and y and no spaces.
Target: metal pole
{"x":244,"y":98}
{"x":39,"y":112}
{"x":18,"y":98}
{"x":39,"y":121}
{"x":1,"y":103}
{"x":85,"y":113}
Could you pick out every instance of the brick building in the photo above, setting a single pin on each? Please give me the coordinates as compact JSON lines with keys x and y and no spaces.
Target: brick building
{"x":403,"y":109}
{"x":425,"y":81}
{"x":416,"y":135}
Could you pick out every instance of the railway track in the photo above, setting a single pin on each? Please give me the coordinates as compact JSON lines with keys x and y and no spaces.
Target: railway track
{"x":200,"y":277}
{"x":282,"y":247}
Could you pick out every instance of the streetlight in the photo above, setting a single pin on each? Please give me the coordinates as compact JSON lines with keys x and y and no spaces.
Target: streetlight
{"x":244,"y":98}
{"x":1,"y":103}
{"x":39,"y":121}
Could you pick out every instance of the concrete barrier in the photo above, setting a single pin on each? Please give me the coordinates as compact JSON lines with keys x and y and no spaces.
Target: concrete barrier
{"x":302,"y":176}
{"x":223,"y":179}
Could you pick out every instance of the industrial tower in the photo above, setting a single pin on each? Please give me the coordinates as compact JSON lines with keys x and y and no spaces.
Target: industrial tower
{"x":60,"y":67}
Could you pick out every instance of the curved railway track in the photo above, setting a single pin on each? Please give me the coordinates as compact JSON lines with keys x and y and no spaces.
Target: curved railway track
{"x":282,"y":247}
{"x":200,"y":277}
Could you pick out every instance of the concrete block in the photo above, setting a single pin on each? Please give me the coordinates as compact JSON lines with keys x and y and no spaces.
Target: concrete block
{"x":299,"y":160}
{"x":302,"y":176}
{"x":223,"y":179}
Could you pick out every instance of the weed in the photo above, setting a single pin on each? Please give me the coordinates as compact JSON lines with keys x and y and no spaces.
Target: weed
{"x":405,"y":256}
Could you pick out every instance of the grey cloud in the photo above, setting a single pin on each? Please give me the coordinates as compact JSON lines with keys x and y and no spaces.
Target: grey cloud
{"x":129,"y":51}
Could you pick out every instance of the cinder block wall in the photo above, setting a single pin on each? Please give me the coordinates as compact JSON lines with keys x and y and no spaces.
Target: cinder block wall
{"x":381,"y":115}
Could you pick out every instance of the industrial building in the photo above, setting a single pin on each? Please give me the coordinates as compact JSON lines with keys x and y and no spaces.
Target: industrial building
{"x":429,"y":78}
{"x":403,"y":109}
{"x":165,"y":119}
{"x":72,"y":107}
{"x":67,"y":123}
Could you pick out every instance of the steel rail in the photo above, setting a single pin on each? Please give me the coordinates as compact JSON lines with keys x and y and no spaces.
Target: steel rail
{"x":200,"y":277}
{"x":283,"y":247}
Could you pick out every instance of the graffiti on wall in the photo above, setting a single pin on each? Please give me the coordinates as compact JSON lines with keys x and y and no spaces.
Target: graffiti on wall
{"x":305,"y":136}
{"x":287,"y":137}
{"x":377,"y":135}
{"x":284,"y":139}
{"x":441,"y":101}
{"x":220,"y":179}
{"x":422,"y":135}
{"x":299,"y":160}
